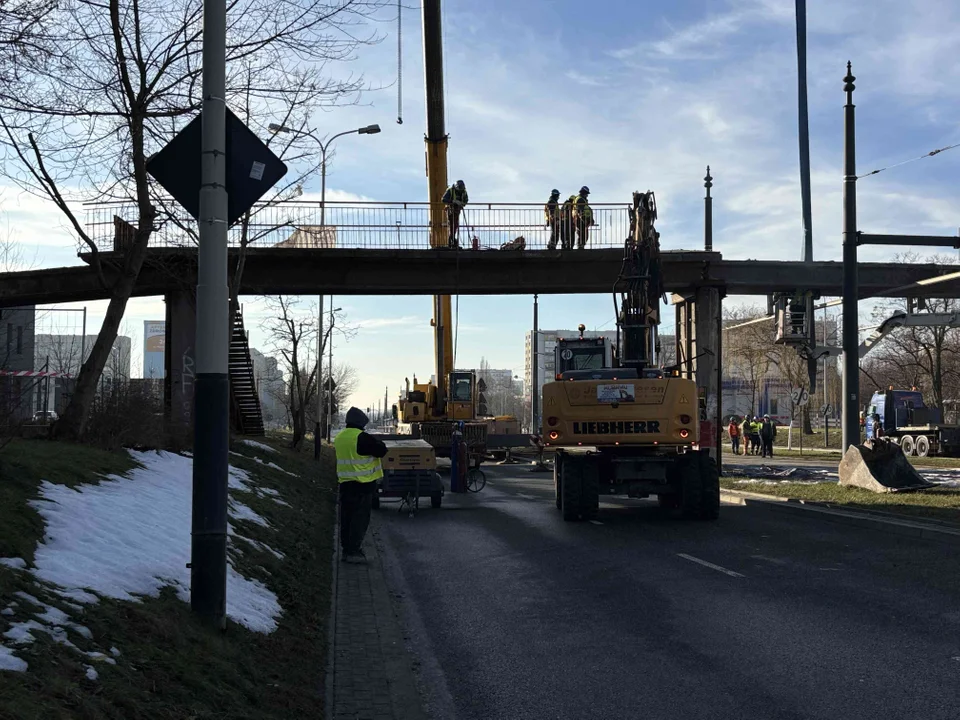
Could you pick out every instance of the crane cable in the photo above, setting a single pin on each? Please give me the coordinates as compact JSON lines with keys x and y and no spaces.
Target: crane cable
{"x":905,"y":162}
{"x":399,"y":63}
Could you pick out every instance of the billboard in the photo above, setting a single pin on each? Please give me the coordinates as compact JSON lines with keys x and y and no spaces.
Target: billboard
{"x":154,"y":339}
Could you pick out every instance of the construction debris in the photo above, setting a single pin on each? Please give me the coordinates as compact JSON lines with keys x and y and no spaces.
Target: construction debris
{"x":881,"y":467}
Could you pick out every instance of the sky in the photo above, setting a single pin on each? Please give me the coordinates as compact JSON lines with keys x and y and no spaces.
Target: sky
{"x":630,"y":95}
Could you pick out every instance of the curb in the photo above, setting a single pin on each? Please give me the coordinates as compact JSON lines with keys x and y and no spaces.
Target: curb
{"x":328,"y":679}
{"x":907,"y":528}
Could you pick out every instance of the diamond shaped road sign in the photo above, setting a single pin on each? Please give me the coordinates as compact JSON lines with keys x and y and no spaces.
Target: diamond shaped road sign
{"x":252,"y":168}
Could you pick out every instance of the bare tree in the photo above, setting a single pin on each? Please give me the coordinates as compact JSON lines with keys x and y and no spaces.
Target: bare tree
{"x":746,"y":349}
{"x":23,"y":37}
{"x":116,"y":79}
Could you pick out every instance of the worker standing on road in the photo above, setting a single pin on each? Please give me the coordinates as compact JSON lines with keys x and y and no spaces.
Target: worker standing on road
{"x":582,"y":217}
{"x":454,"y":200}
{"x":734,"y":431}
{"x":768,"y":431}
{"x":745,"y":433}
{"x":358,"y":469}
{"x":551,"y":213}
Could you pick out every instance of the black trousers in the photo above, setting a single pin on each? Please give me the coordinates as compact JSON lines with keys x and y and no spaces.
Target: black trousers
{"x":767,"y":446}
{"x":453,"y":221}
{"x":354,"y":513}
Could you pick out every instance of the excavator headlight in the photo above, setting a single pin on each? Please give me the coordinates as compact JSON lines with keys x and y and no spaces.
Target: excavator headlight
{"x":554,"y":435}
{"x":684,"y":433}
{"x":685,"y":419}
{"x":552,"y":421}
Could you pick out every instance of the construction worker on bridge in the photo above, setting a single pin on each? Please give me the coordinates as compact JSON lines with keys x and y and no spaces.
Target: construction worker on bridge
{"x":551,"y":213}
{"x":454,"y":200}
{"x":582,"y":216}
{"x":358,"y":469}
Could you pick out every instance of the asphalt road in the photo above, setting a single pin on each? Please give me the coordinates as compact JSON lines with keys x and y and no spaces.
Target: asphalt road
{"x":513,"y":613}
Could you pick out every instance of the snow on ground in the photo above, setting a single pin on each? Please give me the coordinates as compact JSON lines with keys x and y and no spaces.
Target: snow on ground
{"x":239,"y":511}
{"x":258,"y":445}
{"x":9,"y":661}
{"x":91,"y":673}
{"x":130,"y":536}
{"x":13,"y":562}
{"x":274,"y":466}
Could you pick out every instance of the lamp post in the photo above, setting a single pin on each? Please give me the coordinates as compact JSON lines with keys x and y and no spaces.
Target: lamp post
{"x":365,"y":130}
{"x":330,"y":363}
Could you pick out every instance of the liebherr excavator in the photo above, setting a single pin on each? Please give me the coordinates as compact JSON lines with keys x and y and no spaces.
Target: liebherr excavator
{"x":430,"y":410}
{"x":629,"y":427}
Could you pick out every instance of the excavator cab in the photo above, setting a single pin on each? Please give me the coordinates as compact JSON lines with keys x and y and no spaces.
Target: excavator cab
{"x":462,"y":403}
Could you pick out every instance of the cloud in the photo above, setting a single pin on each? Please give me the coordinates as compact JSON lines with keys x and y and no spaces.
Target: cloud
{"x":374,"y":324}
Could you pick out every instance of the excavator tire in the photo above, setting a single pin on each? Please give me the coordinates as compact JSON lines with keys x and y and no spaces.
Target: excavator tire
{"x":699,"y":486}
{"x":710,"y":483}
{"x":668,"y":502}
{"x":590,"y":489}
{"x":557,"y":464}
{"x":571,"y":475}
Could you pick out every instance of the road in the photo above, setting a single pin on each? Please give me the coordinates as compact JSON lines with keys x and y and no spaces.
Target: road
{"x":512,"y":613}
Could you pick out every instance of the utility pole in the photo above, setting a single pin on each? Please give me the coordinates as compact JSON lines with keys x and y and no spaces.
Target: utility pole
{"x":208,"y":556}
{"x":534,"y":391}
{"x":330,"y":365}
{"x":851,"y":336}
{"x":317,"y":431}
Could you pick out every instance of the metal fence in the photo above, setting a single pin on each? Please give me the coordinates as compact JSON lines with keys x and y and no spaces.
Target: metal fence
{"x":366,"y":225}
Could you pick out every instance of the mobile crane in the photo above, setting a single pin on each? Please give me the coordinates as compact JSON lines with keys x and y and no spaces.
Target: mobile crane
{"x":431,"y":410}
{"x":629,"y":427}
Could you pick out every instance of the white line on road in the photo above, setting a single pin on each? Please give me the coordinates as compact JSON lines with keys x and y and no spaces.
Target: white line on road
{"x":525,"y":496}
{"x":710,"y":565}
{"x":596,"y":522}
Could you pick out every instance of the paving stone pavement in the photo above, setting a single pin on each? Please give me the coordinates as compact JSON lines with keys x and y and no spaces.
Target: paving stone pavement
{"x":373,"y":676}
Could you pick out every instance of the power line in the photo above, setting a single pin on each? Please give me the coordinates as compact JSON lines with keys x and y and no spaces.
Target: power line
{"x":905,"y":162}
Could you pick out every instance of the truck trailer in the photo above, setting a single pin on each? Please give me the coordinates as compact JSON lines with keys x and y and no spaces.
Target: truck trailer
{"x":906,"y":420}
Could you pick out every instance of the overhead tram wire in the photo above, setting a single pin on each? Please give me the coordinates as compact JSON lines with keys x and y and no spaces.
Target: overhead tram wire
{"x":906,"y":162}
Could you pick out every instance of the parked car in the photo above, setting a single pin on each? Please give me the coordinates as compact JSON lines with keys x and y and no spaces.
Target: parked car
{"x":44,"y":416}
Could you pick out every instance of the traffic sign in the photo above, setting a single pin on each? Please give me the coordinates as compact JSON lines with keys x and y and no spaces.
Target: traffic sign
{"x":826,"y":409}
{"x":800,"y":396}
{"x":252,"y":167}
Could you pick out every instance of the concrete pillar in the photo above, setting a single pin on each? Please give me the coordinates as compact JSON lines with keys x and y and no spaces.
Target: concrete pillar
{"x":180,"y":362}
{"x":699,"y":352}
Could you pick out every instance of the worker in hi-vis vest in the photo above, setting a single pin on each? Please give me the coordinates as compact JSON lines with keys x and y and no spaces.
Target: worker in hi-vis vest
{"x":358,"y":469}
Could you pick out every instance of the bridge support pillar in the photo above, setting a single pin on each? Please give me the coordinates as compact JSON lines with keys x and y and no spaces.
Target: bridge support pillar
{"x":699,"y":351}
{"x":180,"y":361}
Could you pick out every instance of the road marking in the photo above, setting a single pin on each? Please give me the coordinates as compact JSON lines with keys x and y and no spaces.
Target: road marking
{"x":710,"y":565}
{"x":596,"y":522}
{"x":525,"y":496}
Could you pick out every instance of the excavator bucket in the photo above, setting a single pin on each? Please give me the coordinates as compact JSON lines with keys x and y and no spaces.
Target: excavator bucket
{"x":880,"y":467}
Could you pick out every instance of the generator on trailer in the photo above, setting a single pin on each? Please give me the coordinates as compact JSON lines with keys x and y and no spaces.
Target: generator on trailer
{"x":629,"y":427}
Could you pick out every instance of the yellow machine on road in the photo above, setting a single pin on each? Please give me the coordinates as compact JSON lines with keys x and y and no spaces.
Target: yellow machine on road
{"x":431,"y":410}
{"x":632,"y":429}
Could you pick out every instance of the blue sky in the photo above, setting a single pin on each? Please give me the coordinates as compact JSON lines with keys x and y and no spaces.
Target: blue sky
{"x":628,"y":96}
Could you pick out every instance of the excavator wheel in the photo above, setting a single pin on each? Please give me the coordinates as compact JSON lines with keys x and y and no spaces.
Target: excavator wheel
{"x":557,"y":464}
{"x":571,"y":474}
{"x":699,"y":486}
{"x":589,"y":489}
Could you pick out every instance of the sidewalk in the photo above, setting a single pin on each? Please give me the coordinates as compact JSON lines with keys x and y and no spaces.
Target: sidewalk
{"x":373,"y":677}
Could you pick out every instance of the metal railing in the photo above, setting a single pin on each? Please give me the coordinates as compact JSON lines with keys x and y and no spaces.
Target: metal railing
{"x":365,"y":225}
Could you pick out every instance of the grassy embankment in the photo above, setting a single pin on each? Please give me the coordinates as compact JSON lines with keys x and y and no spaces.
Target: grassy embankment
{"x":170,"y":665}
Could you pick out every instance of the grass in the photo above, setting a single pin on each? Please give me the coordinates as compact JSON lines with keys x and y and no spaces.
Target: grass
{"x":172,"y":665}
{"x":941,"y":504}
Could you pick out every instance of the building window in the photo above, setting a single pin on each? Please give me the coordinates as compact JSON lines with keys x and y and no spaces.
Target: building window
{"x":19,"y":339}
{"x":774,"y":404}
{"x":9,"y":337}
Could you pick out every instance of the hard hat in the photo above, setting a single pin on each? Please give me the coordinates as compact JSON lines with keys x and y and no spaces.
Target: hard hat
{"x":584,"y":190}
{"x":766,"y":417}
{"x":554,"y":193}
{"x":460,"y":184}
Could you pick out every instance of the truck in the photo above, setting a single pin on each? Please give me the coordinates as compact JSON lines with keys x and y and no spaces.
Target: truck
{"x":906,"y":420}
{"x":623,"y":425}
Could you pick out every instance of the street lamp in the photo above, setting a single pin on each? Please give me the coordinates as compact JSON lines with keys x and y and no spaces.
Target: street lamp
{"x":365,"y":130}
{"x":330,"y":414}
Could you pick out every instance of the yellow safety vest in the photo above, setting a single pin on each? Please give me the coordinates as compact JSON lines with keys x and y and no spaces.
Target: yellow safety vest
{"x":352,"y":466}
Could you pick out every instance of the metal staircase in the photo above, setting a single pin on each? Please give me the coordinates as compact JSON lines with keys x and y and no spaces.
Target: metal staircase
{"x":246,"y":414}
